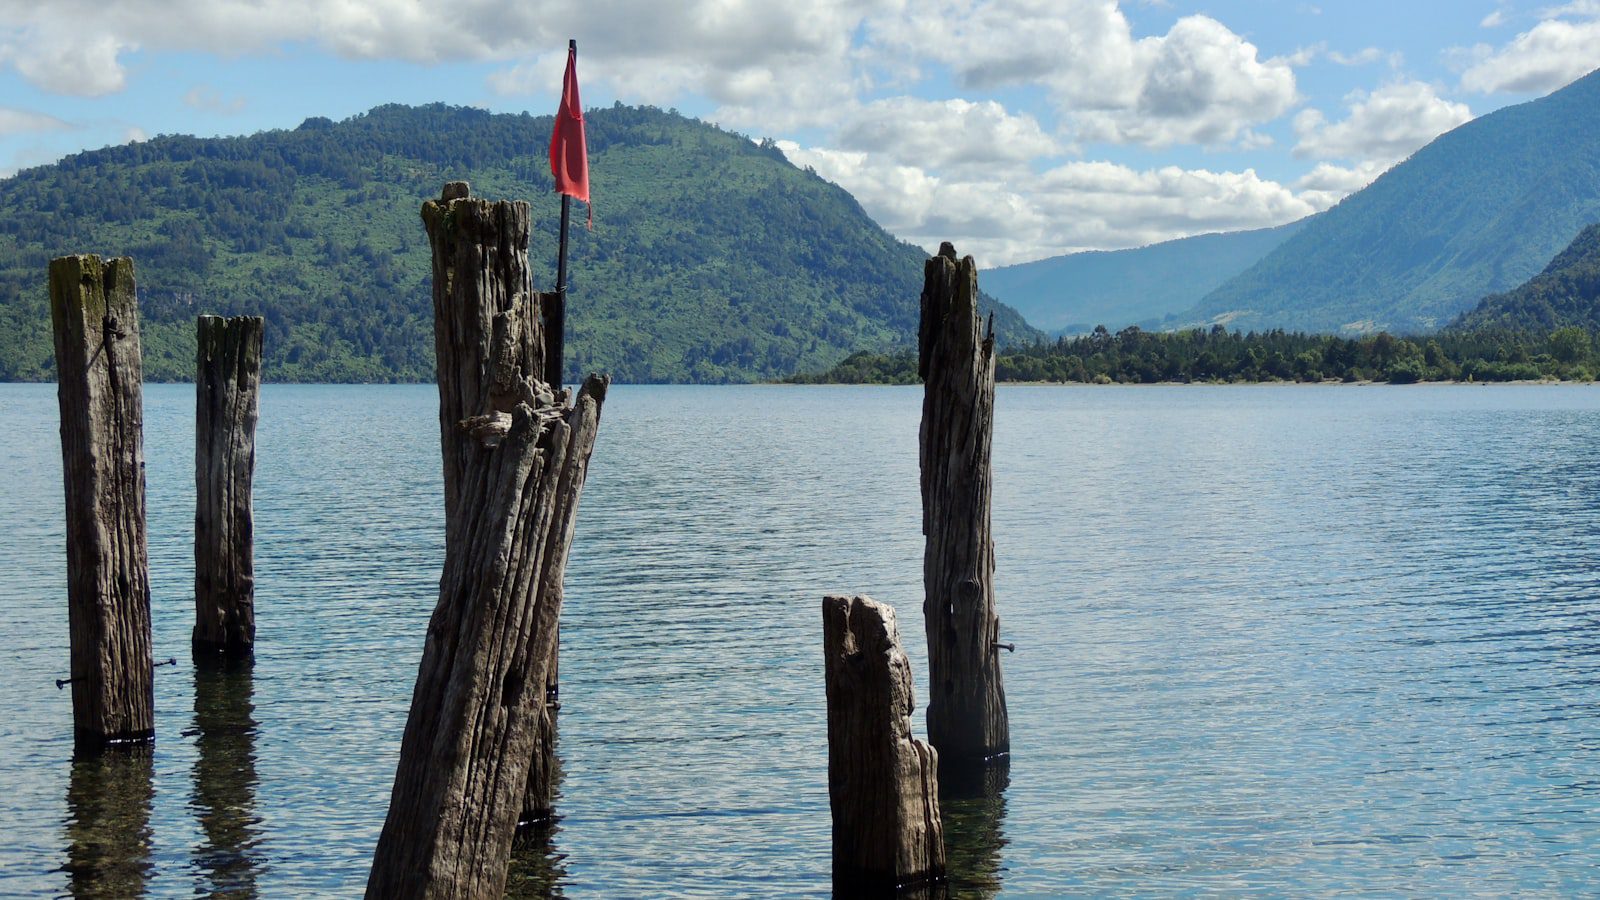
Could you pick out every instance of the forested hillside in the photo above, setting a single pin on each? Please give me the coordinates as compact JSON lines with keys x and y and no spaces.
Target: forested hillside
{"x":712,"y":257}
{"x":1146,"y":286}
{"x":1565,"y":294}
{"x":1481,"y":209}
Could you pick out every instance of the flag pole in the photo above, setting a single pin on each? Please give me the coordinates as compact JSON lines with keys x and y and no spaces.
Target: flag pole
{"x":556,"y":320}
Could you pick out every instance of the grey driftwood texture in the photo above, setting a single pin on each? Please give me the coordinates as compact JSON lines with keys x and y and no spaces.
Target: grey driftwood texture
{"x":95,"y":314}
{"x":515,"y":459}
{"x":967,"y":719}
{"x":883,"y":784}
{"x":227,"y":400}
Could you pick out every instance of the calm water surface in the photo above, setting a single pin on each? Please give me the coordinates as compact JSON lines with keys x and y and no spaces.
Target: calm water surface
{"x":1276,"y":640}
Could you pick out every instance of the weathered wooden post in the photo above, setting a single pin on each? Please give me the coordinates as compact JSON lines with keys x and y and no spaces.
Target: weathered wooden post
{"x":95,"y":314}
{"x":967,"y":719}
{"x":227,"y":396}
{"x":883,"y":784}
{"x":515,"y":458}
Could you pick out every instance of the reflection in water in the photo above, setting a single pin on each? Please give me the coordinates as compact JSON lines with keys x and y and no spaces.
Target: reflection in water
{"x":108,"y":822}
{"x":973,"y":812}
{"x":537,"y":867}
{"x":224,"y":800}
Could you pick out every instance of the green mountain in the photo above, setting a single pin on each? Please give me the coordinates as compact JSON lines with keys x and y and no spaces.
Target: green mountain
{"x":712,"y":257}
{"x":1566,"y":293}
{"x":1478,"y":210}
{"x":1143,"y":286}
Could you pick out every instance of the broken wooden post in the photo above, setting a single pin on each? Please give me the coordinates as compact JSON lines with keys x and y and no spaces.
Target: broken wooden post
{"x":966,"y":697}
{"x":227,"y":395}
{"x":95,"y":314}
{"x":515,"y":458}
{"x":883,"y":784}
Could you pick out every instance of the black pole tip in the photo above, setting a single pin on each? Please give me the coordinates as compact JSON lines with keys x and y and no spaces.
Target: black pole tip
{"x":572,"y":44}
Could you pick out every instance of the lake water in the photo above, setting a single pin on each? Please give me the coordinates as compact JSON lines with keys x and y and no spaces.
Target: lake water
{"x":1282,"y":640}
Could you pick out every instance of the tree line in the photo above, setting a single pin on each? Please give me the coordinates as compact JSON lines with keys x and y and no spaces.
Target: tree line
{"x":1135,"y":356}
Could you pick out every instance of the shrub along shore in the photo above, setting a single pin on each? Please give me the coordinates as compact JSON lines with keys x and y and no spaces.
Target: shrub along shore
{"x":1217,"y":355}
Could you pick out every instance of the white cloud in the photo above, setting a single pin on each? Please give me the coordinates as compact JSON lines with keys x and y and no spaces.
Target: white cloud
{"x":56,"y":59}
{"x":744,"y":54}
{"x":207,"y":99}
{"x":133,"y":134}
{"x":1199,"y":82}
{"x":1543,"y":58}
{"x":1327,"y":184}
{"x":1384,"y":126}
{"x":1075,"y":206}
{"x":1494,"y":19}
{"x":1365,"y":57}
{"x":1202,"y":84}
{"x":943,"y":134}
{"x":20,"y":121}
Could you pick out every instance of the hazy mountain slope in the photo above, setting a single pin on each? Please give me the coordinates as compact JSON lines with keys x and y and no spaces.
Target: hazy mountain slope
{"x":712,"y":258}
{"x":1566,"y":293}
{"x":1143,"y":285}
{"x":1480,"y":209}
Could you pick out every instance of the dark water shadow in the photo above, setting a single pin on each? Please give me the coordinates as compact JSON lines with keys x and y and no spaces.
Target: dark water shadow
{"x":108,"y":822}
{"x":538,"y":867}
{"x":228,"y":861}
{"x":972,"y":808}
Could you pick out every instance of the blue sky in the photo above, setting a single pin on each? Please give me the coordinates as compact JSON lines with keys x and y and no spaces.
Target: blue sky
{"x":1018,"y":128}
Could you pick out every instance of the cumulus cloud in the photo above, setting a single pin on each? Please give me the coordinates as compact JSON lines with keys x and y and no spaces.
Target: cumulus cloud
{"x":1562,"y":47}
{"x":1327,"y":184}
{"x":21,"y":121}
{"x":1384,"y":126}
{"x":744,"y":54}
{"x":1198,"y":83}
{"x":1073,"y":206}
{"x":948,"y":133}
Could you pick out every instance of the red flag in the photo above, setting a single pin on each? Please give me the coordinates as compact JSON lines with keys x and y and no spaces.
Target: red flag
{"x":569,"y":153}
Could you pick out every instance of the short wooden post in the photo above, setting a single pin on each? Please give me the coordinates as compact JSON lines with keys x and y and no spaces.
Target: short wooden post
{"x":98,"y":366}
{"x":883,"y":784}
{"x":515,"y":455}
{"x":967,"y":718}
{"x":227,"y":396}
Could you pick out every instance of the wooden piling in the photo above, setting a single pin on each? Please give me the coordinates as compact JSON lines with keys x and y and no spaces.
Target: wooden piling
{"x":515,"y":457}
{"x":227,"y":397}
{"x":967,"y":718}
{"x":95,"y":314}
{"x":883,"y":784}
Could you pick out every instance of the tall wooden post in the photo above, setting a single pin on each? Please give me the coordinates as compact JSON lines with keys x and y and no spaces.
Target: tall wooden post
{"x":227,"y":395}
{"x":98,"y":366}
{"x":516,"y":456}
{"x":967,"y":719}
{"x":883,"y":784}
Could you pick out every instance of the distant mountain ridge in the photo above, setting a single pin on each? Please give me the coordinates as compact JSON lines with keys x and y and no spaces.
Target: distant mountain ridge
{"x":1479,"y":210}
{"x":713,"y":258}
{"x":1141,"y":286}
{"x":1566,"y":293}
